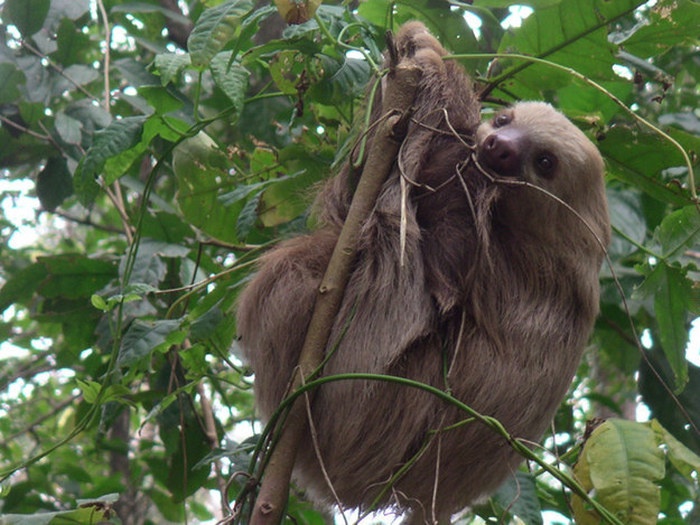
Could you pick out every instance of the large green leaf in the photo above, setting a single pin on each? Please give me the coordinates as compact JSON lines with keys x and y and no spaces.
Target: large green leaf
{"x":507,"y":3}
{"x":54,"y":183}
{"x":27,"y":15}
{"x":170,"y":65}
{"x":684,"y":459}
{"x":620,"y":465}
{"x":72,"y":43}
{"x":666,"y":28}
{"x":214,"y":29}
{"x":679,"y":232}
{"x":517,"y":497}
{"x":145,"y":337}
{"x":74,"y":276}
{"x":679,"y":413}
{"x":671,"y":291}
{"x":231,"y":77}
{"x":68,"y":276}
{"x":638,"y":159}
{"x":114,"y":141}
{"x":341,"y":79}
{"x":10,"y":80}
{"x":68,"y":128}
{"x":21,"y":286}
{"x":188,"y":472}
{"x":202,"y":171}
{"x":627,"y":220}
{"x":571,"y":33}
{"x":289,"y":197}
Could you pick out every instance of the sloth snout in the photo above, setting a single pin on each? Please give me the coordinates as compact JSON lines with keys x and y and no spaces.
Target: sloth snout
{"x":501,"y":151}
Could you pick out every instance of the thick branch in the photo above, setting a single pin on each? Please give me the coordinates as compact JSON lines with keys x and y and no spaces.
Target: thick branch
{"x":399,"y":92}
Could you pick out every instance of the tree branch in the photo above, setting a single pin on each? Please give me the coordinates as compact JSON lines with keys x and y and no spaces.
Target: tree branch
{"x":400,"y":89}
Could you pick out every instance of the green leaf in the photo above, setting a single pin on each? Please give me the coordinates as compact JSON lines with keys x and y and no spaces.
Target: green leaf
{"x":168,"y":127}
{"x":186,"y":464}
{"x":27,"y":15}
{"x":162,"y":100}
{"x":91,"y":116}
{"x":164,"y":504}
{"x":573,"y":100}
{"x":94,"y":393}
{"x":170,"y":65}
{"x":626,"y":217}
{"x":682,"y":458}
{"x":203,"y":326}
{"x":285,"y":69}
{"x":678,"y":232}
{"x":116,"y":139}
{"x":10,"y":80}
{"x":288,"y":198}
{"x":72,"y":43}
{"x":621,"y":463}
{"x":341,"y":79}
{"x":581,"y":44}
{"x":54,"y":183}
{"x":20,"y":287}
{"x":518,"y":496}
{"x":232,"y":78}
{"x":74,"y":276}
{"x":201,"y":171}
{"x":664,"y":30}
{"x":248,"y":216}
{"x":639,"y":159}
{"x":148,"y":267}
{"x":671,"y":290}
{"x":678,"y":413}
{"x":68,"y":128}
{"x":243,"y":191}
{"x":214,"y":29}
{"x":537,"y":4}
{"x":98,"y":302}
{"x":75,"y":75}
{"x":145,"y":337}
{"x":167,"y":227}
{"x":90,"y":390}
{"x":115,"y":393}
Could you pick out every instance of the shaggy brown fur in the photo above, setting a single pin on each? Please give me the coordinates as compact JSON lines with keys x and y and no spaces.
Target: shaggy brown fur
{"x":495,"y":299}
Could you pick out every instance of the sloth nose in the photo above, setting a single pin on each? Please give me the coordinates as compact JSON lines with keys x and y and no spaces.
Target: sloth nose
{"x":500,"y":151}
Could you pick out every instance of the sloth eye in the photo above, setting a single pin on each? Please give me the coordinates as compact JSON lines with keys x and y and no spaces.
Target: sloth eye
{"x":502,"y":119}
{"x":546,"y":163}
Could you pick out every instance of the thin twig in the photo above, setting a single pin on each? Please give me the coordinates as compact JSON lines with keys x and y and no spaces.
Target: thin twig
{"x":58,"y":69}
{"x":25,"y":129}
{"x":401,"y":87}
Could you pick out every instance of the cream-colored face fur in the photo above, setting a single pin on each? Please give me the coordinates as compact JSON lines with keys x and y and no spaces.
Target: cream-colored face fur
{"x":550,"y":145}
{"x":533,"y":142}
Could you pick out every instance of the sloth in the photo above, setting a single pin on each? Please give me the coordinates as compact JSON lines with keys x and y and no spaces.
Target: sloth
{"x":489,"y":291}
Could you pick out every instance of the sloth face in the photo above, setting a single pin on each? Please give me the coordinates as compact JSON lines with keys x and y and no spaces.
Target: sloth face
{"x":534,"y":143}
